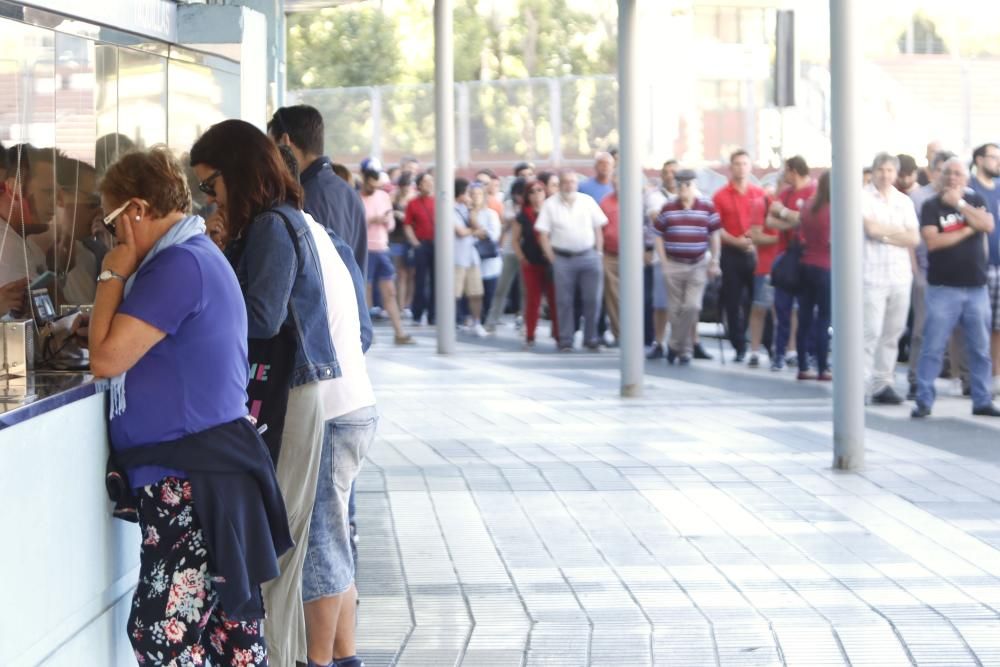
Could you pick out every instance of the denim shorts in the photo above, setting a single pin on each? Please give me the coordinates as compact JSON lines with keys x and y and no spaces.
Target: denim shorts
{"x":404,"y":251}
{"x":763,"y":292}
{"x":329,"y":565}
{"x":380,"y":267}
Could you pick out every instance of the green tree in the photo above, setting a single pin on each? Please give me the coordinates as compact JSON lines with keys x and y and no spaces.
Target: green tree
{"x":345,"y":47}
{"x":925,"y":37}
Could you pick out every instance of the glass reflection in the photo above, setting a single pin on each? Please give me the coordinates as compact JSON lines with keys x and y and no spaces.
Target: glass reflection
{"x":71,"y":105}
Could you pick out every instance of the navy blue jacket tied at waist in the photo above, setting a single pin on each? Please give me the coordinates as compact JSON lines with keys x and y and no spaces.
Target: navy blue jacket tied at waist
{"x":236,"y":498}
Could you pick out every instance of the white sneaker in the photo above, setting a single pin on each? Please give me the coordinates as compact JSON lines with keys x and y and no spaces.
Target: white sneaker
{"x":578,"y":339}
{"x":480,"y":330}
{"x":996,"y":385}
{"x":609,"y":338}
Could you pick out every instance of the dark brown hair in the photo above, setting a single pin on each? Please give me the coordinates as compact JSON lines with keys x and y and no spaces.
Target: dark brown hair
{"x":255,"y":176}
{"x":153,"y":175}
{"x":822,"y":197}
{"x":797,"y":163}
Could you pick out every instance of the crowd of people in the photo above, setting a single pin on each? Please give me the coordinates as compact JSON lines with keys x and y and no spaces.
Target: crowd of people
{"x":760,"y":254}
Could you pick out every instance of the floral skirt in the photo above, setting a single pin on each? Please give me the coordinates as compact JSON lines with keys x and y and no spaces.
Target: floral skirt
{"x":176,"y":617}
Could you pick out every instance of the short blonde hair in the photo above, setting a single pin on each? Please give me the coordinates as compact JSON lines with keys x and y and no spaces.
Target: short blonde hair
{"x":154,"y":175}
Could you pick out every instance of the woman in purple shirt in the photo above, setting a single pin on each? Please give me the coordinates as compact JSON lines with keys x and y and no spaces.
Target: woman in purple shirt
{"x":169,"y":328}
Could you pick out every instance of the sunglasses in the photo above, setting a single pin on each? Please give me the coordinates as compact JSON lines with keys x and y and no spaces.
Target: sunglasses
{"x":207,"y":186}
{"x":534,"y":190}
{"x":109,"y":219}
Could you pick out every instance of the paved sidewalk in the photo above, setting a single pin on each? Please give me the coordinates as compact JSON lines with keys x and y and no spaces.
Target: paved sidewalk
{"x":515,"y":511}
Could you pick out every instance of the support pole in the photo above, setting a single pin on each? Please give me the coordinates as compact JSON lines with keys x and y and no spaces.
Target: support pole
{"x":847,"y":241}
{"x":444,"y":176}
{"x":629,"y":202}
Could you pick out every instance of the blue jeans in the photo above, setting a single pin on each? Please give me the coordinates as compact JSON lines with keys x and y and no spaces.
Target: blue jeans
{"x":814,"y":316}
{"x":946,"y":307}
{"x":784,"y":304}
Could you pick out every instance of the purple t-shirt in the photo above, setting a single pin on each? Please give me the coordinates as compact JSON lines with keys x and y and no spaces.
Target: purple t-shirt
{"x":196,"y":377}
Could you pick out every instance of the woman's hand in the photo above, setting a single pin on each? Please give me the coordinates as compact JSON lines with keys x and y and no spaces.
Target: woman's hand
{"x":123,"y":259}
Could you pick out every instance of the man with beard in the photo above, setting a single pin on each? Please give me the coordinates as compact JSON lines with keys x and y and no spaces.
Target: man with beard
{"x":986,"y":159}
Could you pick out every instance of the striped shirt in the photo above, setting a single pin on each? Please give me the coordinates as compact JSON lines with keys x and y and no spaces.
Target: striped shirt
{"x":685,"y":232}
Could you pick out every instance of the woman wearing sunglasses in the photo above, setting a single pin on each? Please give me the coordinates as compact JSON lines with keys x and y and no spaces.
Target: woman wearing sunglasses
{"x":169,"y":329}
{"x":535,"y":269}
{"x":281,"y":258}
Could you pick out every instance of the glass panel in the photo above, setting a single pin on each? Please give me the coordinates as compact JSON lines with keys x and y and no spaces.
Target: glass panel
{"x":27,"y":203}
{"x":199,"y":97}
{"x":109,"y":142}
{"x":79,"y":243}
{"x":142,"y":97}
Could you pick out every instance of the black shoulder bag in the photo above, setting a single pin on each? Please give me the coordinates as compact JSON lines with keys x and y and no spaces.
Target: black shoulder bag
{"x":272,"y":361}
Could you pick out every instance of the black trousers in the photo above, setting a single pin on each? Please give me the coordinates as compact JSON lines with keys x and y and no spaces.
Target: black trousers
{"x":423,"y":290}
{"x":737,"y":293}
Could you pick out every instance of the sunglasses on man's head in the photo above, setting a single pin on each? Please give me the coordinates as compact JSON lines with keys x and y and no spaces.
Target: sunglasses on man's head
{"x":208,"y":185}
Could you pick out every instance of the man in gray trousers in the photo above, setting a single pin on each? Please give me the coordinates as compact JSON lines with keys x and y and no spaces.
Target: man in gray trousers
{"x":568,"y":229}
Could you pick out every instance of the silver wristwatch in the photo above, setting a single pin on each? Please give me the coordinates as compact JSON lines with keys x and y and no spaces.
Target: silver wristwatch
{"x":107,"y":274}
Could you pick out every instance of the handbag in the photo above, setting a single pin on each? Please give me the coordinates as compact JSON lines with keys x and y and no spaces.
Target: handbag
{"x":487,"y":248}
{"x":787,"y":268}
{"x":272,"y":361}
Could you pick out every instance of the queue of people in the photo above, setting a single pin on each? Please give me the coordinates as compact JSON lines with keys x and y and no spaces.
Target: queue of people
{"x":241,"y":411}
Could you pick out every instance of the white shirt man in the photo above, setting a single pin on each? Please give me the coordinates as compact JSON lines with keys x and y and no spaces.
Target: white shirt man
{"x":568,"y":227}
{"x":891,"y":230}
{"x":571,"y":225}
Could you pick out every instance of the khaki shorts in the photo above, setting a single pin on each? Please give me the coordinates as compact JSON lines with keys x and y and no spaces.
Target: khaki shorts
{"x":468,"y":282}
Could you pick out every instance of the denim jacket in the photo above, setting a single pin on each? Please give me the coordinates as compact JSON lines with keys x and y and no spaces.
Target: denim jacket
{"x":278,"y":290}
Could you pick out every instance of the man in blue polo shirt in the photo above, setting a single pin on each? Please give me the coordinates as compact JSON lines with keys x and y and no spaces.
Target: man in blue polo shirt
{"x":986,"y":159}
{"x":600,"y":186}
{"x":328,"y":198}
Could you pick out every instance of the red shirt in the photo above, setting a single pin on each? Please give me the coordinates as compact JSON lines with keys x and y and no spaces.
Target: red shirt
{"x":816,"y":236}
{"x":420,"y":216}
{"x":741,"y":210}
{"x":789,"y":198}
{"x":610,"y":207}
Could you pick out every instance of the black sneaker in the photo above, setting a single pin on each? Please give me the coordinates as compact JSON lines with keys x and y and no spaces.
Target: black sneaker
{"x":671,"y":356}
{"x":701,"y":353}
{"x":655,"y":351}
{"x":988,"y":410}
{"x":754,"y":361}
{"x":920,"y":411}
{"x":740,"y":357}
{"x":887,"y":396}
{"x":911,"y":394}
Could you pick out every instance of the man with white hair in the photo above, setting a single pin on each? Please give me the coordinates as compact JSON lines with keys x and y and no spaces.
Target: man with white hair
{"x":954,"y":223}
{"x":891,"y":230}
{"x":569,"y":232}
{"x":600,"y":186}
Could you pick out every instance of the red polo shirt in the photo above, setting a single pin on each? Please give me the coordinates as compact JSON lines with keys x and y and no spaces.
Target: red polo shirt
{"x":741,"y":210}
{"x":420,"y":216}
{"x":610,"y":207}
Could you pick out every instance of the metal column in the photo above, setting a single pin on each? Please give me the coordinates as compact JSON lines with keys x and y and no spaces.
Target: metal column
{"x":444,"y":176}
{"x":845,"y":193}
{"x":629,"y":202}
